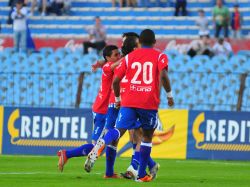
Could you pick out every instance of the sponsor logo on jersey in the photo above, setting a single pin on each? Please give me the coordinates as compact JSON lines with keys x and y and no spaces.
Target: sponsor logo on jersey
{"x":140,"y":88}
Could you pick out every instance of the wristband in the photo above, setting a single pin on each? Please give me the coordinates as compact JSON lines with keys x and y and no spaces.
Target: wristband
{"x":117,"y":99}
{"x":169,"y":94}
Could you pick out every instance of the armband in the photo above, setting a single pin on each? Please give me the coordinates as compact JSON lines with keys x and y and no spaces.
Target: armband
{"x":117,"y":99}
{"x":169,"y":94}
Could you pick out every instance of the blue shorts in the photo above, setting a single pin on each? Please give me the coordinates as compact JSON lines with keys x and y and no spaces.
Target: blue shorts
{"x":111,"y":117}
{"x":127,"y":118}
{"x":99,"y":121}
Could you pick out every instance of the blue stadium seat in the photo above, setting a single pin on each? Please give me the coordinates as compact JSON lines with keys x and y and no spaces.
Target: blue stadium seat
{"x":9,"y":50}
{"x":63,"y":51}
{"x":46,"y":51}
{"x":235,"y":64}
{"x":222,"y":59}
{"x":36,"y":57}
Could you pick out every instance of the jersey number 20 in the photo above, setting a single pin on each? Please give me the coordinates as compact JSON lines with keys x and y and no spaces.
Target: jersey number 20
{"x":147,"y":72}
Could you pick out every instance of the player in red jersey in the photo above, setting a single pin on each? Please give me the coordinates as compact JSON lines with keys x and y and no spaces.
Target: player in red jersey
{"x":143,"y":68}
{"x":111,"y":54}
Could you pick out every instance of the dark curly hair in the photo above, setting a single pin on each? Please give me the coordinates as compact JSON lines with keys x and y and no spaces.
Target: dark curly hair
{"x":129,"y":44}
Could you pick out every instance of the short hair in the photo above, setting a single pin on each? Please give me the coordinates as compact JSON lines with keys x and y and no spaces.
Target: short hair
{"x":220,"y":40}
{"x":127,"y":34}
{"x":107,"y":51}
{"x":20,"y":2}
{"x":147,"y":37}
{"x":201,"y":11}
{"x":129,"y":44}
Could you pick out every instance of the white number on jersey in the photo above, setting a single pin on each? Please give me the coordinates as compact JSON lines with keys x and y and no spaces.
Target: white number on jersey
{"x":147,"y":72}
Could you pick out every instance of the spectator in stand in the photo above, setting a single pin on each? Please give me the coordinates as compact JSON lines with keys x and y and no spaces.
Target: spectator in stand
{"x":132,"y":3}
{"x":222,"y":47}
{"x":122,"y":3}
{"x":180,"y":4}
{"x":43,"y":3}
{"x":12,"y":4}
{"x":221,"y":19}
{"x":60,"y":7}
{"x":202,"y":22}
{"x":97,"y":37}
{"x":200,"y":47}
{"x":19,"y":16}
{"x":66,"y":7}
{"x":114,"y":3}
{"x":143,"y":3}
{"x":236,"y":22}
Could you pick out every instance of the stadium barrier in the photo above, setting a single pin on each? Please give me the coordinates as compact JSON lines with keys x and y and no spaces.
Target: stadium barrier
{"x":76,"y":44}
{"x":181,"y":134}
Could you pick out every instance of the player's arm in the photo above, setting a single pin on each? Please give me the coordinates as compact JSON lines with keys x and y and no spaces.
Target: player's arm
{"x":116,"y":88}
{"x":98,"y":64}
{"x":113,"y":66}
{"x":119,"y":73}
{"x":167,"y":86}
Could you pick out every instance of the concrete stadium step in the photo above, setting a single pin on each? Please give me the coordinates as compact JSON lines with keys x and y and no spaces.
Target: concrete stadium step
{"x":4,"y":11}
{"x":114,"y":30}
{"x":163,"y":3}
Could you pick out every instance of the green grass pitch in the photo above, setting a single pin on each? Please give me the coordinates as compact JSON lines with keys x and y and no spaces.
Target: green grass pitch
{"x":36,"y":171}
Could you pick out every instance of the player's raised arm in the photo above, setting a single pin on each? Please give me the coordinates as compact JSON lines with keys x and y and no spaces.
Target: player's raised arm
{"x":98,"y":64}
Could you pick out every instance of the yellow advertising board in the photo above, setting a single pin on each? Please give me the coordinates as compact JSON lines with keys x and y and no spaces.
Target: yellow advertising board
{"x":170,"y":139}
{"x":1,"y":128}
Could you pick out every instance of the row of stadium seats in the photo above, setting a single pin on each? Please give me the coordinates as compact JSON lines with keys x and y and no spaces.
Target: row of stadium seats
{"x":163,"y":3}
{"x":50,"y":79}
{"x":64,"y":61}
{"x":123,"y":20}
{"x":236,"y":64}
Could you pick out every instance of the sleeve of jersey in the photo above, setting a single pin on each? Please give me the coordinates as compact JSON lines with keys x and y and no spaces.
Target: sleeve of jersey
{"x":121,"y":69}
{"x":162,"y":62}
{"x":107,"y":68}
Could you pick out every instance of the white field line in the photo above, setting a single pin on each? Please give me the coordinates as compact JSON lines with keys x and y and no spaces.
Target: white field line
{"x":215,"y":162}
{"x":39,"y":173}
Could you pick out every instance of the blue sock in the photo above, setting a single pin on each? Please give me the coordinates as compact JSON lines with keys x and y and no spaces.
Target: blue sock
{"x":135,"y":162}
{"x":151,"y":163}
{"x":80,"y":151}
{"x":110,"y":160}
{"x":145,"y":151}
{"x":132,"y":157}
{"x":112,"y":135}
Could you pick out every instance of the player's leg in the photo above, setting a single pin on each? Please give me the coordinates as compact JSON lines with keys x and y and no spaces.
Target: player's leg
{"x":131,"y":139}
{"x":132,"y":170}
{"x":126,"y":118}
{"x":111,"y":136}
{"x":83,"y":150}
{"x":111,"y":149}
{"x":148,"y":119}
{"x":99,"y":121}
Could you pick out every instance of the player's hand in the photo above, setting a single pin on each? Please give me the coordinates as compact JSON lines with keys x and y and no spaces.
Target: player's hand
{"x":170,"y":101}
{"x":117,"y":104}
{"x":97,"y":65}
